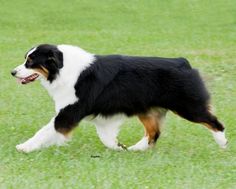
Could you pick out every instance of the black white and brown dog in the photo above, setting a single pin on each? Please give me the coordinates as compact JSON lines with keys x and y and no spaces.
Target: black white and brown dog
{"x":107,"y":89}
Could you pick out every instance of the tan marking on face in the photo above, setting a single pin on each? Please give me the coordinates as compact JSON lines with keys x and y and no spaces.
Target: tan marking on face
{"x":151,"y":124}
{"x":29,"y":59}
{"x":43,"y":71}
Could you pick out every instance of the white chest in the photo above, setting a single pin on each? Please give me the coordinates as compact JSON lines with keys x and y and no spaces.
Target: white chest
{"x":62,"y":95}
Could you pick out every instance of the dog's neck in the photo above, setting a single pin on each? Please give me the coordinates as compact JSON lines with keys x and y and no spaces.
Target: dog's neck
{"x":62,"y":90}
{"x":62,"y":94}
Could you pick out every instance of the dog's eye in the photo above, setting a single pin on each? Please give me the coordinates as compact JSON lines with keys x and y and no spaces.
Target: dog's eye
{"x":29,"y":63}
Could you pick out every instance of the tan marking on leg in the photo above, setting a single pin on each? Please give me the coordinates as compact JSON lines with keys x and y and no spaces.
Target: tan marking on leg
{"x":67,"y":132}
{"x":152,"y":126}
{"x":209,"y":127}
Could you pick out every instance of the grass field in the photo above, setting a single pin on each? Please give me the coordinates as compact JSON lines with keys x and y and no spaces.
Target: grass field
{"x":185,"y":156}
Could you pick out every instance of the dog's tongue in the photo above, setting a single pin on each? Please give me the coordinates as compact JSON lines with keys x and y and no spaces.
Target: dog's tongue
{"x":27,"y":79}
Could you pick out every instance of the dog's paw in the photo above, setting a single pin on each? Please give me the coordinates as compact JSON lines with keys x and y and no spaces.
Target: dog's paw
{"x":220,"y":139}
{"x":24,"y":147}
{"x":224,"y":145}
{"x":142,"y":145}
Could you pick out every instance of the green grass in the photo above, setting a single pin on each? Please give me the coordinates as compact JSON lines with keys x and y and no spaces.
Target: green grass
{"x":186,"y":155}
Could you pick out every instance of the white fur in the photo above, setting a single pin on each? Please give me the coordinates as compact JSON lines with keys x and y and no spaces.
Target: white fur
{"x":23,"y":72}
{"x":220,"y":138}
{"x":108,"y":129}
{"x":31,"y":51}
{"x":45,"y":137}
{"x":141,"y":145}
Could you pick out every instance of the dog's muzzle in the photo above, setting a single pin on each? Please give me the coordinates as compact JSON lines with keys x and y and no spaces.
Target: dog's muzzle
{"x":25,"y":80}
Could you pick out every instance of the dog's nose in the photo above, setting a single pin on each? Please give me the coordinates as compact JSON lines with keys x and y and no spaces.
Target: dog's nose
{"x":13,"y":72}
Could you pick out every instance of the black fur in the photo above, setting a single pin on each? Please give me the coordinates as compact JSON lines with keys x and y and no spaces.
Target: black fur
{"x":133,"y":85}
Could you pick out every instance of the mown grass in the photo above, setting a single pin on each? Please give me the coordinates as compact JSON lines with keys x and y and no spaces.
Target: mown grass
{"x":185,"y":156}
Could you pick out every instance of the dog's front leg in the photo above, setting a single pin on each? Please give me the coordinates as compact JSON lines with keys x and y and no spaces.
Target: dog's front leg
{"x":45,"y":137}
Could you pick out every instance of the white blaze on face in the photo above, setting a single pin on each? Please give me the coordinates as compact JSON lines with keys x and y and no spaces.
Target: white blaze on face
{"x":30,"y":52}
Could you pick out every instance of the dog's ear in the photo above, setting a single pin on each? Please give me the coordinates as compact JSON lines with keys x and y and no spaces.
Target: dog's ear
{"x":56,"y":57}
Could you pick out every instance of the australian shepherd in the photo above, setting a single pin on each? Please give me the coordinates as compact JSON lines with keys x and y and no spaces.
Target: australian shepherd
{"x":105,"y":89}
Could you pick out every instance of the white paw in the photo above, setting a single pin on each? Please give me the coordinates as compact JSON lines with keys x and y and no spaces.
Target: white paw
{"x":224,"y":146}
{"x":141,"y":145}
{"x":25,"y":147}
{"x":220,"y":139}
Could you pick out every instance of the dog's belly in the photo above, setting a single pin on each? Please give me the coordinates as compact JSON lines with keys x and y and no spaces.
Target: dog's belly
{"x":100,"y":120}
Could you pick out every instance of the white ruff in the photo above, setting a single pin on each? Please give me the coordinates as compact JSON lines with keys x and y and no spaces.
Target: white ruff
{"x":62,"y":89}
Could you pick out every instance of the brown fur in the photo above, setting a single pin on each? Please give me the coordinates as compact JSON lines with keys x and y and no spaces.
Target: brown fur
{"x":152,"y":123}
{"x":43,"y":71}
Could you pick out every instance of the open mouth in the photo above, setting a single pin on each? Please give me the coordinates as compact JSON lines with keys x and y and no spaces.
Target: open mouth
{"x":28,"y":79}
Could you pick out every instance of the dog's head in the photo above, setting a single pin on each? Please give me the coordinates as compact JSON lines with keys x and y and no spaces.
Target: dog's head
{"x":43,"y":61}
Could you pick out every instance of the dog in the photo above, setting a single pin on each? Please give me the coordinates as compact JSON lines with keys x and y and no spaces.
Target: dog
{"x":106,"y":89}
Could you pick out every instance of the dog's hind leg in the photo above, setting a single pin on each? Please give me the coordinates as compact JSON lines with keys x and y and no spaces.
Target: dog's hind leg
{"x":152,"y":122}
{"x":201,"y":114}
{"x":108,"y":129}
{"x":45,"y":137}
{"x":217,"y":129}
